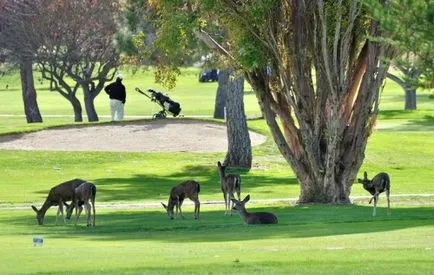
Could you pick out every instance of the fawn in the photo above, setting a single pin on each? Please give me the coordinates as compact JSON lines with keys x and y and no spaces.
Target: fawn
{"x":379,"y":184}
{"x":83,"y":194}
{"x":230,"y":184}
{"x":254,"y":217}
{"x":189,"y":189}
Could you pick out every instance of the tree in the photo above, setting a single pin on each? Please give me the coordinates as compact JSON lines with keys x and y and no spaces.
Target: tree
{"x":178,"y":37}
{"x":17,"y":19}
{"x":409,"y":26}
{"x":321,"y":99}
{"x":80,"y":48}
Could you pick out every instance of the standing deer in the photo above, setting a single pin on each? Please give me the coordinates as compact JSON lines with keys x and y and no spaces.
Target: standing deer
{"x":83,"y":194}
{"x":230,"y":184}
{"x":379,"y":184}
{"x":189,"y":189}
{"x":253,"y":218}
{"x":58,"y":196}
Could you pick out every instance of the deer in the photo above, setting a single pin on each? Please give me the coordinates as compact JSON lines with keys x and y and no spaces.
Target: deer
{"x":229,"y":184}
{"x":85,"y":195}
{"x":254,"y":217}
{"x":379,"y":184}
{"x":58,"y":196}
{"x":189,"y":189}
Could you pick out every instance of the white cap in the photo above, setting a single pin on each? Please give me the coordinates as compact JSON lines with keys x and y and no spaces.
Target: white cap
{"x":119,"y":76}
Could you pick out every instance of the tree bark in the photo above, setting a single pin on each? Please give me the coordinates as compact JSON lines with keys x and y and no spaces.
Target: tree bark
{"x":89,"y":96}
{"x":239,"y":145}
{"x":326,"y":118}
{"x":78,"y":110}
{"x":219,"y":109}
{"x":31,"y":108}
{"x":410,"y":92}
{"x":410,"y":99}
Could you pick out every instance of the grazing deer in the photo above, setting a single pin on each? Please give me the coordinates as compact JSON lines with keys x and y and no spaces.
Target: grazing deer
{"x":253,"y":218}
{"x":379,"y":184}
{"x":230,"y":184}
{"x":189,"y":189}
{"x":83,"y":194}
{"x":58,"y":196}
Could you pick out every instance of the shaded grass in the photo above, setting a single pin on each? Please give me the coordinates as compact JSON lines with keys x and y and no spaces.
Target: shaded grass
{"x":307,"y":239}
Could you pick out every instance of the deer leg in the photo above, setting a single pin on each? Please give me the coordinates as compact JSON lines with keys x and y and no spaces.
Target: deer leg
{"x":93,"y":207}
{"x":195,"y":199}
{"x":77,"y":215}
{"x":230,"y":203}
{"x":226,"y":203}
{"x":388,"y":202}
{"x":88,"y":212}
{"x":180,"y":210}
{"x":198,"y":209}
{"x":375,"y":205}
{"x":60,"y":211}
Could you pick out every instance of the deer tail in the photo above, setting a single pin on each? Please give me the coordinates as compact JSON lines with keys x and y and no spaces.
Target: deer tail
{"x":198,"y":188}
{"x":93,"y":195}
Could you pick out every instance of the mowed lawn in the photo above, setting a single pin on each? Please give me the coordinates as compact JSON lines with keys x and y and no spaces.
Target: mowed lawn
{"x":134,"y":235}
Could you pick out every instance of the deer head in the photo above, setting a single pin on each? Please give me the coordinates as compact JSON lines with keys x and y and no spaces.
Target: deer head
{"x":240,"y":205}
{"x":169,"y":209}
{"x":39,"y":215}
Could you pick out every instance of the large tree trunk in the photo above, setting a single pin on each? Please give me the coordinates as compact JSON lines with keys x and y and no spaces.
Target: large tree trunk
{"x":410,"y":99}
{"x":326,"y":118}
{"x":78,"y":110}
{"x":31,"y":108}
{"x":239,"y":145}
{"x":89,"y":96}
{"x":410,"y":92}
{"x":219,"y":109}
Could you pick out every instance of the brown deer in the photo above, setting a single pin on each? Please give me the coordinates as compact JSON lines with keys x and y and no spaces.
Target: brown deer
{"x":189,"y":189}
{"x":254,"y":217}
{"x":58,"y":196}
{"x":379,"y":184}
{"x":83,"y":194}
{"x":230,"y":184}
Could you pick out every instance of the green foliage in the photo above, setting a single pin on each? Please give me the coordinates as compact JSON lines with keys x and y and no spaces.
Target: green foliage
{"x":409,"y":26}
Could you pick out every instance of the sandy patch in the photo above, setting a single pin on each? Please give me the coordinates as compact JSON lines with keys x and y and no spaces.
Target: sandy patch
{"x":148,"y":136}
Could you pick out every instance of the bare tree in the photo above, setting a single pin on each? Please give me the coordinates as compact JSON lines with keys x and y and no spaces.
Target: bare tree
{"x":19,"y":44}
{"x":79,"y":47}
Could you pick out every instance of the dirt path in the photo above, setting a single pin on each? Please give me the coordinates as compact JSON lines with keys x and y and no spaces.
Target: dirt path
{"x":144,"y":136}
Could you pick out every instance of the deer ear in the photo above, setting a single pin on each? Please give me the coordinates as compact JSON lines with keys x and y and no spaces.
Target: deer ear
{"x":247,"y":198}
{"x":165,"y":207}
{"x":219,"y":164}
{"x":365,"y":174}
{"x":35,"y":209}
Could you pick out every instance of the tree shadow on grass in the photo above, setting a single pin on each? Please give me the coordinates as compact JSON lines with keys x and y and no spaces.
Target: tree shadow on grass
{"x":294,"y":222}
{"x":151,"y":187}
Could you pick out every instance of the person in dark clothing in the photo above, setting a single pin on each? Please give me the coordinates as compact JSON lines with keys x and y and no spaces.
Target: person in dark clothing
{"x":116,"y":91}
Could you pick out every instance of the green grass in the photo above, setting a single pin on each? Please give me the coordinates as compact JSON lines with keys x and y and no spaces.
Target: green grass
{"x":308,"y":239}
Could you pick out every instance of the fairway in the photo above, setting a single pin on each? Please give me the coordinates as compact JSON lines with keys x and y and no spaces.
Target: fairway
{"x":133,"y":234}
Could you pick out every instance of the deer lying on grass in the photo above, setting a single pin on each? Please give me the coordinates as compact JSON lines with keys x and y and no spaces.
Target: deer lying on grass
{"x":83,"y":194}
{"x":379,"y":184}
{"x":189,"y":189}
{"x":230,"y":184}
{"x":255,"y":217}
{"x":58,"y":196}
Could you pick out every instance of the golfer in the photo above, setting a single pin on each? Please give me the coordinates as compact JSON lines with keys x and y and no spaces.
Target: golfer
{"x":116,"y":91}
